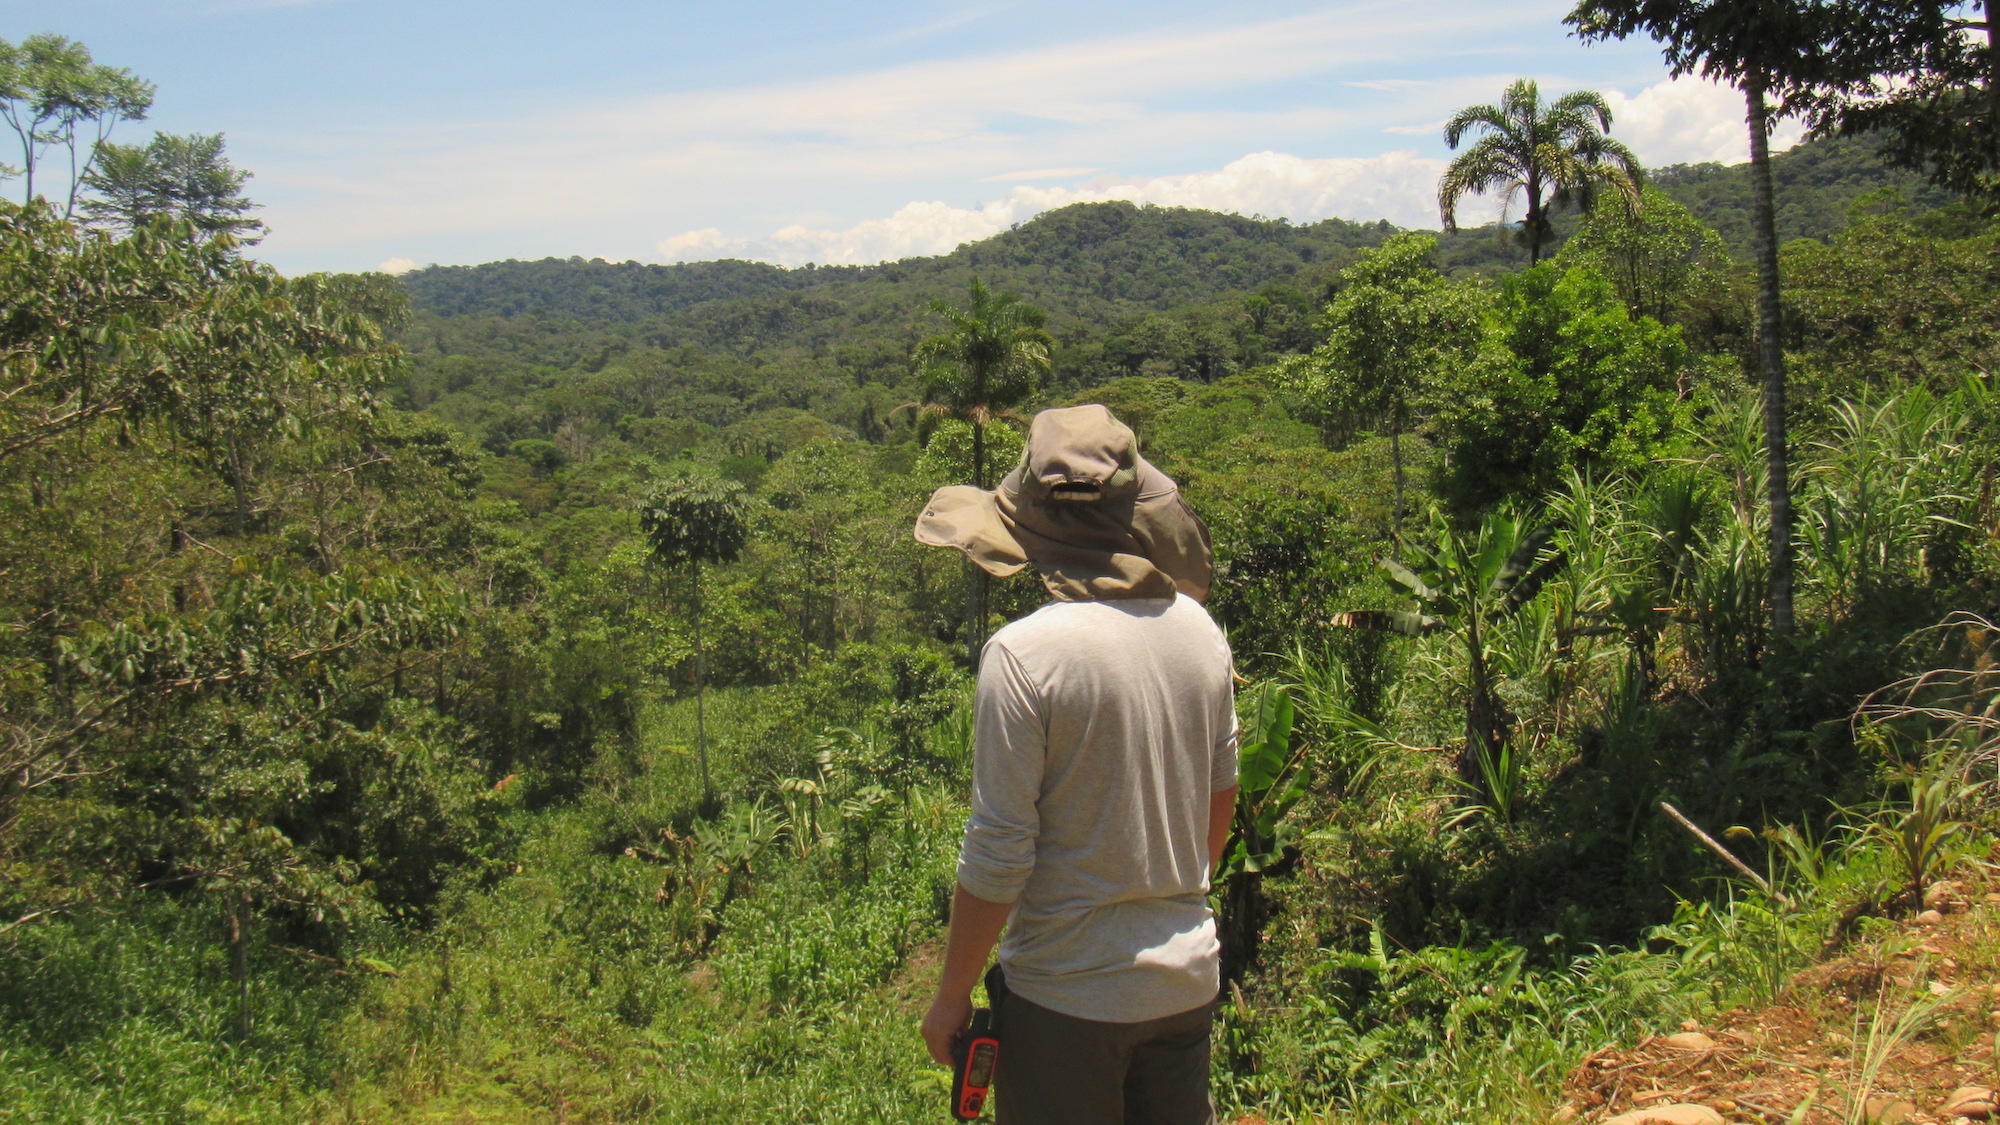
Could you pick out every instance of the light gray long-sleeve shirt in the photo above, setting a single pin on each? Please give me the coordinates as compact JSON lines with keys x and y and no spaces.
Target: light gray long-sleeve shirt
{"x":1101,"y":730}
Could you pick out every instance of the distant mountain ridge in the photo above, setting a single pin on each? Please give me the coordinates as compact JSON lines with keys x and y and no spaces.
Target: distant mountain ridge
{"x":1103,"y":262}
{"x":1113,"y":257}
{"x":1814,"y":185}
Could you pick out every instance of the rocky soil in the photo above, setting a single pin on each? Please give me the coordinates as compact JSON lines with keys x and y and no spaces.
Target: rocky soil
{"x":1899,"y":1029}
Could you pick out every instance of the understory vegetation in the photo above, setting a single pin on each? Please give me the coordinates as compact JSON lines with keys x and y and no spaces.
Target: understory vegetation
{"x":513,"y":693}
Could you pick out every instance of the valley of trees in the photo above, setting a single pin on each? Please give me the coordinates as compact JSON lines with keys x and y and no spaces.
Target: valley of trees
{"x":512,"y":692}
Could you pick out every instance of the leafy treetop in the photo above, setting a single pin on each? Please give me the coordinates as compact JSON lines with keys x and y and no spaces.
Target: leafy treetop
{"x":50,"y":89}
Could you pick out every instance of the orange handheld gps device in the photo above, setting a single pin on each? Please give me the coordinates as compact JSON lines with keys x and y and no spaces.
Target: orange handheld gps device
{"x":978,"y":1057}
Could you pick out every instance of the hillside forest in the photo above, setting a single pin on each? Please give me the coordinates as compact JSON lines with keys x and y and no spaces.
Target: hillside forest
{"x":512,"y":692}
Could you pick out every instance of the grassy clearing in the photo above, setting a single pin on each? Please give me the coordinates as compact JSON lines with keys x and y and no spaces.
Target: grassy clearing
{"x":641,"y":965}
{"x":129,"y":1017}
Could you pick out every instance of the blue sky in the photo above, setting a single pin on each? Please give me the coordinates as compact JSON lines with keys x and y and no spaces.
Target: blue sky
{"x":384,"y":134}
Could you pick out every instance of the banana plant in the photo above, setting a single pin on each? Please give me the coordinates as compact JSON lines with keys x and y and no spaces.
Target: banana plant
{"x":1271,"y":778}
{"x":1466,"y":585}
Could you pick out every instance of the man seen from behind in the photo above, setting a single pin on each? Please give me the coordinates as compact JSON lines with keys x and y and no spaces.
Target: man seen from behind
{"x":1104,"y":777}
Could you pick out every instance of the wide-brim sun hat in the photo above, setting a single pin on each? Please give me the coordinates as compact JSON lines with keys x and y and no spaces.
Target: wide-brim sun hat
{"x":1095,"y":519}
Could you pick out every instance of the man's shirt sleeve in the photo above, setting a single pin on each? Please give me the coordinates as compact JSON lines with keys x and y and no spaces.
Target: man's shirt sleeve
{"x":1222,"y":765}
{"x":1009,"y":749}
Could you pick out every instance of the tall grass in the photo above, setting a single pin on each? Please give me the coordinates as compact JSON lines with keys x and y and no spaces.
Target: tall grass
{"x":128,"y":1015}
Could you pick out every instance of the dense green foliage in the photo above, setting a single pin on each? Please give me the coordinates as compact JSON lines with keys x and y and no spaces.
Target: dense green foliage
{"x":534,"y":704}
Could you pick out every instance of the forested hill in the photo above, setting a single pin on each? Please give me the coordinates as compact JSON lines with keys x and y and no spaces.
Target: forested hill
{"x":1815,"y":186}
{"x":520,"y":350}
{"x":1093,"y":260}
{"x":515,"y":350}
{"x":1098,"y":262}
{"x":594,"y":289}
{"x":538,"y":708}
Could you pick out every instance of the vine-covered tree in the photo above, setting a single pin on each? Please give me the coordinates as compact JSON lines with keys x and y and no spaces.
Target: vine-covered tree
{"x":1577,"y":384}
{"x":1658,"y":259}
{"x":1553,"y":154}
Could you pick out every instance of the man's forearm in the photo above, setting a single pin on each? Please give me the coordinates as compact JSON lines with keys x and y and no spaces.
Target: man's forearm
{"x":1221,"y":810}
{"x":975,"y":927}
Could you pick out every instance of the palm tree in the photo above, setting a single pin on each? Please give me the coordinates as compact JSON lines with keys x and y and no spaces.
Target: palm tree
{"x":1554,"y":154}
{"x":993,"y":354}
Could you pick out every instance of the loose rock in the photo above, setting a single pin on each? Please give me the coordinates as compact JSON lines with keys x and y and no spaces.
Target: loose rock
{"x":1689,"y":1041}
{"x":1970,"y":1101}
{"x":1929,"y":918}
{"x":1682,"y":1114}
{"x":1884,"y":1109}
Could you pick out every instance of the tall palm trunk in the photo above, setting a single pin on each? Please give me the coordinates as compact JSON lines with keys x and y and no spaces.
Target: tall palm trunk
{"x":700,"y":684}
{"x":980,"y":582}
{"x":1534,"y":219}
{"x":1771,"y":360}
{"x":1396,"y":456}
{"x":1992,"y":74}
{"x":237,"y":905}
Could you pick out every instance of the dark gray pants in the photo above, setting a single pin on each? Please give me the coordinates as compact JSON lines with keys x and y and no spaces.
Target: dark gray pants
{"x":1061,"y":1070}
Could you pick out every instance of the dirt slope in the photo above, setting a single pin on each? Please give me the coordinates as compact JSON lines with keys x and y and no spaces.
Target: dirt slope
{"x":1898,"y":1029}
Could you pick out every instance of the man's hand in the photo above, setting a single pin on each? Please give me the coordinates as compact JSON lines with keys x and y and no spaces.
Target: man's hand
{"x":975,"y":926}
{"x":944,"y":1023}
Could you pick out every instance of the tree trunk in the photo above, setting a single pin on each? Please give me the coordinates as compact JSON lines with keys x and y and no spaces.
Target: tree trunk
{"x":1481,"y":737}
{"x":1771,"y":360}
{"x":976,"y":589}
{"x":239,"y":962}
{"x":982,"y":598}
{"x":1244,"y":911}
{"x":975,"y":613}
{"x":1396,"y":456}
{"x":69,"y":207}
{"x":1992,"y":84}
{"x":237,"y":489}
{"x":700,"y":684}
{"x":1533,"y":187}
{"x":978,"y":452}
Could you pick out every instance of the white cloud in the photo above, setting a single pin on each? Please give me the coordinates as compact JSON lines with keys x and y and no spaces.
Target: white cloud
{"x":1039,"y":174}
{"x":696,"y":245}
{"x":397,"y":265}
{"x":1680,"y":120}
{"x":832,"y":143}
{"x":1399,"y":186}
{"x":1684,"y":120}
{"x":809,"y":159}
{"x":1688,"y":121}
